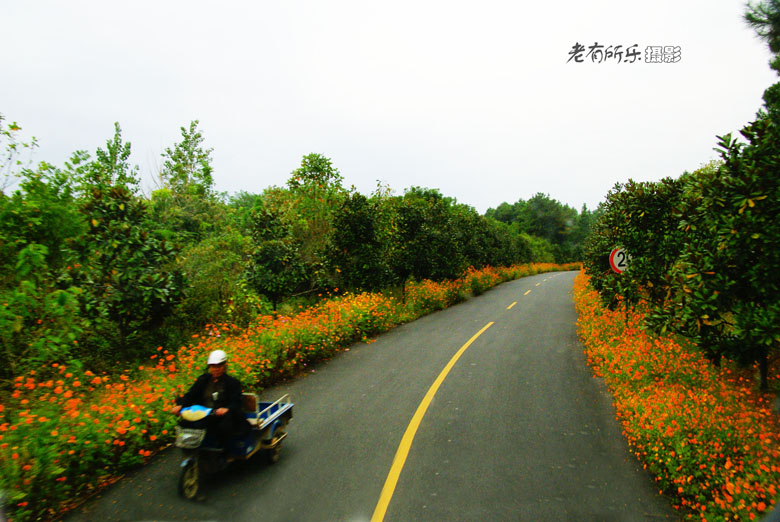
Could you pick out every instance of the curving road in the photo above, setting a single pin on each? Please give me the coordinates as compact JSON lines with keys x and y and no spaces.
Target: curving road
{"x":516,"y":428}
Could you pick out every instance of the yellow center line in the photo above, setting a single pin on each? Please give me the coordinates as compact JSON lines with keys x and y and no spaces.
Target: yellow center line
{"x":510,"y":306}
{"x":528,"y":292}
{"x":406,"y":441}
{"x":537,"y":284}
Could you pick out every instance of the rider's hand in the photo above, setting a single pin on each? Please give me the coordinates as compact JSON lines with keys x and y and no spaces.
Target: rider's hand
{"x":221,"y":411}
{"x":175,"y":410}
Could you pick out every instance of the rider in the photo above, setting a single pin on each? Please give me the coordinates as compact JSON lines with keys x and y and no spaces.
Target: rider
{"x":216,"y":389}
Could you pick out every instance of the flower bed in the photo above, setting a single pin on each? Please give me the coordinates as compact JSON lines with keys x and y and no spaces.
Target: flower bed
{"x":708,"y":438}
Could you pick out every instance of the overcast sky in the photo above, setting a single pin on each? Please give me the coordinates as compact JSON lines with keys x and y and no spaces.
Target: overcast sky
{"x":477,"y":99}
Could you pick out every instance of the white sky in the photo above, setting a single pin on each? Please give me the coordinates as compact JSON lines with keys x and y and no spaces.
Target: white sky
{"x":473,"y":98}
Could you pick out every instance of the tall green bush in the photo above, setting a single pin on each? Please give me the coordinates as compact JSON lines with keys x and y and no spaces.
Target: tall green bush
{"x":638,"y":217}
{"x":705,"y":249}
{"x":726,"y":283}
{"x":127,"y":273}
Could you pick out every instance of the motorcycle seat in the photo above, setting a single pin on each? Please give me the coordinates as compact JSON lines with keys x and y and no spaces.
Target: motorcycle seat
{"x":250,"y":404}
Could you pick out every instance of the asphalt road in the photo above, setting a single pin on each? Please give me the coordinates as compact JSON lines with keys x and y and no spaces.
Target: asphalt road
{"x":517,"y":430}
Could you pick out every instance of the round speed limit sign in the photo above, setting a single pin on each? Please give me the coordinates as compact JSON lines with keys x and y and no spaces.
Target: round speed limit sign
{"x":618,"y":260}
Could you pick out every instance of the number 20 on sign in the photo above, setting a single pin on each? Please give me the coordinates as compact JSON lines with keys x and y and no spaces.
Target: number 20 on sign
{"x":618,"y":260}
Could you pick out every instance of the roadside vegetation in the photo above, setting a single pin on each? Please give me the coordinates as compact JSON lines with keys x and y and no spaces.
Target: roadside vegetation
{"x":705,"y":247}
{"x":110,"y":296}
{"x":709,"y":438}
{"x":93,"y":272}
{"x":688,"y":335}
{"x":67,"y":432}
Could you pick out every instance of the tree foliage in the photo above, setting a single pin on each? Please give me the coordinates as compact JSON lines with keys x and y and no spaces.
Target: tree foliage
{"x":543,"y":218}
{"x":39,"y":310}
{"x":704,"y":247}
{"x":185,"y":205}
{"x":277,"y":268}
{"x":126,"y":269}
{"x":764,"y":18}
{"x":637,"y":217}
{"x":357,"y":249}
{"x":10,"y":161}
{"x":187,"y":166}
{"x":95,"y":271}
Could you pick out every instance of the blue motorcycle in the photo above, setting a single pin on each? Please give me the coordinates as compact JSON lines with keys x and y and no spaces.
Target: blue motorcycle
{"x":202,"y":454}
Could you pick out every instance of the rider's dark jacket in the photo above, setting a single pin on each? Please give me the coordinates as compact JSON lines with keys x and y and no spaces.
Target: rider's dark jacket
{"x":225,"y":394}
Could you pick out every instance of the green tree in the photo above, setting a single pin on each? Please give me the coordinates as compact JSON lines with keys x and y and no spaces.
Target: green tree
{"x":423,"y":244}
{"x":545,"y":217}
{"x":580,"y":233}
{"x":187,"y":166}
{"x":127,"y":274}
{"x":764,"y":18}
{"x":186,"y":204}
{"x":39,"y":322}
{"x":39,"y":310}
{"x":507,"y":213}
{"x":276,"y":269}
{"x":636,"y":216}
{"x":506,"y":245}
{"x":315,"y":171}
{"x":727,"y":281}
{"x":473,"y":236}
{"x":357,"y":250}
{"x":542,"y":251}
{"x":307,"y":207}
{"x":217,"y":290}
{"x":10,"y":163}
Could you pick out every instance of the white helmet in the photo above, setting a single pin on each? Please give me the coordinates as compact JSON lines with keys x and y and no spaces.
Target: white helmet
{"x":217,"y":357}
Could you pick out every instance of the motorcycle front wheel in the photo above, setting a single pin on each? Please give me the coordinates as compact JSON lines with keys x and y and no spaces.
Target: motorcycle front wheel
{"x":189,"y":481}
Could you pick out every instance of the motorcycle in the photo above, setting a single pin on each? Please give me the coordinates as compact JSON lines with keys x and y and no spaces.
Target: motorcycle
{"x":202,"y":453}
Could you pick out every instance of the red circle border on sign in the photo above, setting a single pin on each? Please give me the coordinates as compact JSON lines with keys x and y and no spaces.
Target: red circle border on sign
{"x":612,"y":260}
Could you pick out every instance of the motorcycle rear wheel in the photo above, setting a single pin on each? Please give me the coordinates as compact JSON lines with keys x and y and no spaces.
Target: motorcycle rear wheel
{"x":189,"y":480}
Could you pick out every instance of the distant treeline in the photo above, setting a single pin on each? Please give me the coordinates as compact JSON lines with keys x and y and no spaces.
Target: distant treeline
{"x":94,"y":271}
{"x":561,"y":228}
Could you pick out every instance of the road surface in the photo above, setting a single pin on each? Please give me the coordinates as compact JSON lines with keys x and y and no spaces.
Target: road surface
{"x":515,"y":428}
